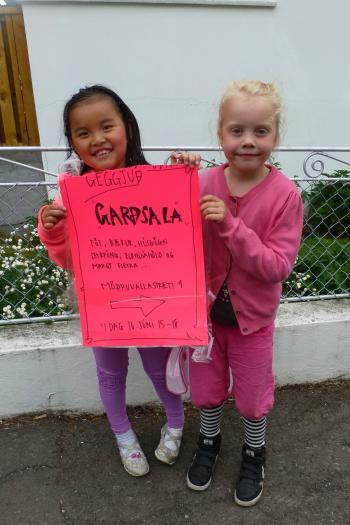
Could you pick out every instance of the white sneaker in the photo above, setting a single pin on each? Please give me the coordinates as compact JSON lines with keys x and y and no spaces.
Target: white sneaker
{"x":169,"y":446}
{"x":133,"y":459}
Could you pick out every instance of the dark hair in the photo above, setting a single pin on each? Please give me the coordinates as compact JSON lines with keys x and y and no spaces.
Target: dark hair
{"x":134,"y":154}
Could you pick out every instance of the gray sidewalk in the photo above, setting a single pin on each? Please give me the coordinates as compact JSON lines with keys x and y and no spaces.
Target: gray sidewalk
{"x":60,"y":470}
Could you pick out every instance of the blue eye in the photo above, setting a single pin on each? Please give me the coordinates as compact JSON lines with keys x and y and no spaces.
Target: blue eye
{"x":262,"y":131}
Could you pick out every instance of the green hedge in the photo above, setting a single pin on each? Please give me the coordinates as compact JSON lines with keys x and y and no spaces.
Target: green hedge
{"x":327,"y":206}
{"x":322,"y":267}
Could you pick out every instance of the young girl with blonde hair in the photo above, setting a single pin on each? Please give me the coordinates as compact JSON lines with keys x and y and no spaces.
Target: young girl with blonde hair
{"x":252,"y":215}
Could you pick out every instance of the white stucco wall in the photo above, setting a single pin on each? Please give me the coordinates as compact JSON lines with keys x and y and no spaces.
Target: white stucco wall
{"x":44,"y":367}
{"x":170,"y":63}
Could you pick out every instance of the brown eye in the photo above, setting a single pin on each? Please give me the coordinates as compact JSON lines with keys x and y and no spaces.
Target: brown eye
{"x":82,"y":134}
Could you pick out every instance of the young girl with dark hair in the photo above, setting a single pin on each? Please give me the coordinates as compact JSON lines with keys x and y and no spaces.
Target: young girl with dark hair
{"x":102,"y":130}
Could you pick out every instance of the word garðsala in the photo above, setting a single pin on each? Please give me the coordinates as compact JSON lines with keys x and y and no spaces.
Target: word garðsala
{"x":124,"y":215}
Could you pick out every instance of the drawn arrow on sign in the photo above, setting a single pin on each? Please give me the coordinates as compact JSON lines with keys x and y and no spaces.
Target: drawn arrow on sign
{"x":146,"y":304}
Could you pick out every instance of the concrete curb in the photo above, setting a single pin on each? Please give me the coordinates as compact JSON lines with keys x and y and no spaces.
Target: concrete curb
{"x":44,"y":367}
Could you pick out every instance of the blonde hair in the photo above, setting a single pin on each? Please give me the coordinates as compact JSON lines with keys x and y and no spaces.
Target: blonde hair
{"x":254,"y":88}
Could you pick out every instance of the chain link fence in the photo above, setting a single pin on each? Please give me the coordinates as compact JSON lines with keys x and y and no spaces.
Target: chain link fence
{"x":33,"y":289}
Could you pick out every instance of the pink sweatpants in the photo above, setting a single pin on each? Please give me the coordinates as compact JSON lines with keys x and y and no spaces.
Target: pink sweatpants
{"x":250,"y":359}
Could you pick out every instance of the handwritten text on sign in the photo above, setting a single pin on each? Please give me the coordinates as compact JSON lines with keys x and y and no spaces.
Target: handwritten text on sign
{"x":136,"y":243}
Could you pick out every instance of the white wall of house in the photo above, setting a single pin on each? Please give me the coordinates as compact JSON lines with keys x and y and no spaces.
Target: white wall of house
{"x":170,"y":62}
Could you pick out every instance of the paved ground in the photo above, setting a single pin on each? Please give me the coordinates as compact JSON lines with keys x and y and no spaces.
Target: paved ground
{"x":59,"y":470}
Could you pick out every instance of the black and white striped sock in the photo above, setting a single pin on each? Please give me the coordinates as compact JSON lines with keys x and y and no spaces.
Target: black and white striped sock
{"x":211,"y":420}
{"x":254,"y":431}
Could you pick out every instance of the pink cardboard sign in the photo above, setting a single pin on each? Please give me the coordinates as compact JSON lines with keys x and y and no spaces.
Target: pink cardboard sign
{"x":136,"y":242}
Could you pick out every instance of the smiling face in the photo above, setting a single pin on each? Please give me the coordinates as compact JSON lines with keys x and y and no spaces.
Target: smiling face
{"x":98,"y":133}
{"x":248,"y":134}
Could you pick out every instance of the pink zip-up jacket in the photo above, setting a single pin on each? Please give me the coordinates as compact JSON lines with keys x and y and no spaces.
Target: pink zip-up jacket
{"x":255,"y":246}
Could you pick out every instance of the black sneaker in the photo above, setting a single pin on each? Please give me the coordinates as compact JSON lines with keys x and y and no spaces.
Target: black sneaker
{"x":202,"y":468}
{"x":249,"y":486}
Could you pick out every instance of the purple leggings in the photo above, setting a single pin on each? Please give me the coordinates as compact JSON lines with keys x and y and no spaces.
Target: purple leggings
{"x":112,"y":368}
